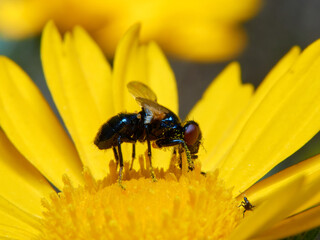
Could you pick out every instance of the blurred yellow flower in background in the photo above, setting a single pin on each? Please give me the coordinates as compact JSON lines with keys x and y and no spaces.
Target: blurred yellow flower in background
{"x":195,"y":30}
{"x":245,"y":134}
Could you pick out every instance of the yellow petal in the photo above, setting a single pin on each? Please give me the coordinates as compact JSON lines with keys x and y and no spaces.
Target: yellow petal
{"x":96,"y":70}
{"x":147,"y":64}
{"x":21,"y":183}
{"x":161,"y":78}
{"x":310,"y":168}
{"x":228,"y":141}
{"x":275,"y":208}
{"x":294,"y":225}
{"x":204,"y":23}
{"x":286,"y":118}
{"x":11,"y":210}
{"x":269,"y":212}
{"x":218,"y":109}
{"x":79,"y":79}
{"x":17,"y":18}
{"x":180,"y":40}
{"x":189,"y":30}
{"x":233,"y":10}
{"x":143,"y":63}
{"x":33,"y":128}
{"x":225,"y":10}
{"x":125,"y":48}
{"x":16,"y":228}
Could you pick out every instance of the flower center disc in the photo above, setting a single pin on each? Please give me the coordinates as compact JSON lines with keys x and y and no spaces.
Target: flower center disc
{"x":185,"y":206}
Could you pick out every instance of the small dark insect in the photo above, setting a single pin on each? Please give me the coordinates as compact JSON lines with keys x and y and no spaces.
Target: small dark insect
{"x":153,"y":123}
{"x":246,"y":205}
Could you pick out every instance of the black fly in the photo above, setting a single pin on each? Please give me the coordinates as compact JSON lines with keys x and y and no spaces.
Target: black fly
{"x":153,"y":123}
{"x":246,"y":205}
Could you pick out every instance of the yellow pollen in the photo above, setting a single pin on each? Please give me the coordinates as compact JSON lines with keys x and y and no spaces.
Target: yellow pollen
{"x":180,"y":205}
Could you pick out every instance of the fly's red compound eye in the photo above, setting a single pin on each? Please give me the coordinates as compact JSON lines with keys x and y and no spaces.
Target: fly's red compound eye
{"x":191,"y":133}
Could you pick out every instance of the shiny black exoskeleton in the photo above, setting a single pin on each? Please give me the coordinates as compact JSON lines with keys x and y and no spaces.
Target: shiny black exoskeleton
{"x":246,"y":205}
{"x":153,"y":123}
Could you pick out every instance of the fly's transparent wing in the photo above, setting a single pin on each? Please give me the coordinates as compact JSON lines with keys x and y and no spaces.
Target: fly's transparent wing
{"x":140,"y":90}
{"x":147,"y":99}
{"x":154,"y":111}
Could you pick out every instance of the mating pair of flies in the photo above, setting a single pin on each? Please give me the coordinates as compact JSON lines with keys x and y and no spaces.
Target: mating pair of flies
{"x":153,"y":123}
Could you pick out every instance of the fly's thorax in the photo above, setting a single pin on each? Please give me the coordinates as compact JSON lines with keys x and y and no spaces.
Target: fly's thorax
{"x":168,"y":127}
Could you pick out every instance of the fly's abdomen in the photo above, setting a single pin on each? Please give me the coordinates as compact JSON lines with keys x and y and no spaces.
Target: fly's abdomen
{"x":121,"y":126}
{"x":106,"y":137}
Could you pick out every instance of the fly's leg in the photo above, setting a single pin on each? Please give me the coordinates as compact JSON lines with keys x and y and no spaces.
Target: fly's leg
{"x":190,"y":162}
{"x":153,"y":176}
{"x":243,"y":204}
{"x":173,"y":142}
{"x":244,"y":212}
{"x":177,"y":152}
{"x":133,"y":154}
{"x":121,"y":164}
{"x":115,"y":155}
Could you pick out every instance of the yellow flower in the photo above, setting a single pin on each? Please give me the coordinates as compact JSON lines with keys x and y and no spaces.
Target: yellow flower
{"x":201,"y":31}
{"x":245,"y":134}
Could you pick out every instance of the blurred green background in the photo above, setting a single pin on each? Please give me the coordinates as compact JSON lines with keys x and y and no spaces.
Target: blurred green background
{"x":280,"y":25}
